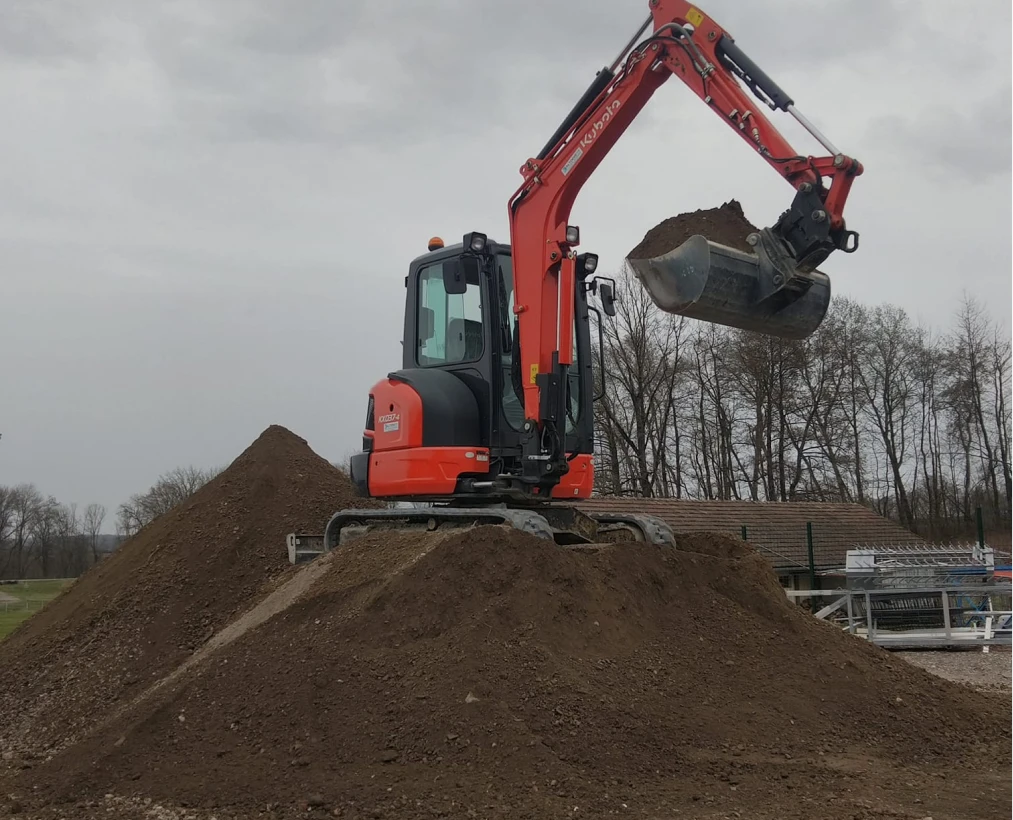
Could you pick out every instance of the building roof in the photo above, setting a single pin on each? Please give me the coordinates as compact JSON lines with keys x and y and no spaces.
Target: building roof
{"x":776,"y":529}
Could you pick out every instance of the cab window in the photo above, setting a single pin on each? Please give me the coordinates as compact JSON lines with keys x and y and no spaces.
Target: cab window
{"x":449,"y":324}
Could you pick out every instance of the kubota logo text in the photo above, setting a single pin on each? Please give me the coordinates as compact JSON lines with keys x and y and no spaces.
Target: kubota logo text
{"x":603,"y":120}
{"x":589,"y":136}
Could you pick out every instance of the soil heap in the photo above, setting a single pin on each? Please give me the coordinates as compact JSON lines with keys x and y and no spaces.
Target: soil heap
{"x":163,"y":593}
{"x":726,"y":225}
{"x":485,"y":673}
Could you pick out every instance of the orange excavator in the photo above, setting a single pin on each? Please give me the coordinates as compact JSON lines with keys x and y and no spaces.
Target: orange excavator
{"x":489,"y":420}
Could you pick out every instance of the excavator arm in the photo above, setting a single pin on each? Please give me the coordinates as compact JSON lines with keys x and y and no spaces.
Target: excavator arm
{"x":706,"y":280}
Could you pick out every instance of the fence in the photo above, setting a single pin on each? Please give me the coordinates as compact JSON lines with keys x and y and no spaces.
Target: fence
{"x":29,"y":594}
{"x":18,"y":604}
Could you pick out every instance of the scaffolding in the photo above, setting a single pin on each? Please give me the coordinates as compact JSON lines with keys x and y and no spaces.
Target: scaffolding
{"x":917,"y":596}
{"x":921,"y":565}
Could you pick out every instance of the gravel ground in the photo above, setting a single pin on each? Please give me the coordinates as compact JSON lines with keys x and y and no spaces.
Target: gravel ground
{"x":989,"y":673}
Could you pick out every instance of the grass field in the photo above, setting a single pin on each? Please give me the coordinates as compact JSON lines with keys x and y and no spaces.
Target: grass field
{"x":31,"y":595}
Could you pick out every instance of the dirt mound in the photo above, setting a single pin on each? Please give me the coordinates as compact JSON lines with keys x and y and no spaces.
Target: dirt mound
{"x":489,"y":674}
{"x":163,"y":593}
{"x":726,"y":225}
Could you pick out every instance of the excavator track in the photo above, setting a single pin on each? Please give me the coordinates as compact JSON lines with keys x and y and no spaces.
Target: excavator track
{"x":564,"y":525}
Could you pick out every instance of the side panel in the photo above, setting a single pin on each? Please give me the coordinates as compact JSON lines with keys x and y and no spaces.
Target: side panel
{"x":423,"y":471}
{"x":422,"y":434}
{"x":579,"y":482}
{"x":397,"y":416}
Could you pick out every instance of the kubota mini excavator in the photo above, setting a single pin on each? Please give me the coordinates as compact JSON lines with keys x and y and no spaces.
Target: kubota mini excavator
{"x":490,"y":418}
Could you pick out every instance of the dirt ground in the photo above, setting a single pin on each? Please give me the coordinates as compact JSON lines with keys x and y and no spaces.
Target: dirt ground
{"x":989,"y":672}
{"x":477,"y":673}
{"x":164,"y":593}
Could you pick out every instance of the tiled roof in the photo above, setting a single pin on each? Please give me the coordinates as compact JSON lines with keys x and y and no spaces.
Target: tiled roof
{"x":776,"y":529}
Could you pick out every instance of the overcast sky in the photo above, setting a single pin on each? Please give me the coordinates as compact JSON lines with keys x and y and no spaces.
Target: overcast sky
{"x":208,"y":207}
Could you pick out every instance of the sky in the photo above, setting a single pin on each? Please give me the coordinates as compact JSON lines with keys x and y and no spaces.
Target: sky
{"x":208,"y":209}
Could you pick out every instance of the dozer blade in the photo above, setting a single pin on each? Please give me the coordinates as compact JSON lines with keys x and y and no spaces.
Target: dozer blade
{"x":761,"y":291}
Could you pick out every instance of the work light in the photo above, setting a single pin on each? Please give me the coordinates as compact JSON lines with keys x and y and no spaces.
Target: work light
{"x":475,"y":241}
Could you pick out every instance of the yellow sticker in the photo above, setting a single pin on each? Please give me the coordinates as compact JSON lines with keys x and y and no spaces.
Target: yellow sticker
{"x":694,"y":16}
{"x":534,"y":372}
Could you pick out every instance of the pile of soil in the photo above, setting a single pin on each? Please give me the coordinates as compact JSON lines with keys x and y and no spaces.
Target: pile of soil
{"x":486,"y":673}
{"x":163,"y":593}
{"x":726,"y":225}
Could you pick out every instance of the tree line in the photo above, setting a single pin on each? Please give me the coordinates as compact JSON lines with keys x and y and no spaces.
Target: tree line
{"x":171,"y":489}
{"x":873,"y":408}
{"x":42,"y":538}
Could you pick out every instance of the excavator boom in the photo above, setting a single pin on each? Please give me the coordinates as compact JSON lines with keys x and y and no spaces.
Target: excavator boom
{"x":777,"y":290}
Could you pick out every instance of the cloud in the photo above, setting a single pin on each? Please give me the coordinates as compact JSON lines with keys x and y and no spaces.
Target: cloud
{"x":47,"y":33}
{"x":967,"y":141}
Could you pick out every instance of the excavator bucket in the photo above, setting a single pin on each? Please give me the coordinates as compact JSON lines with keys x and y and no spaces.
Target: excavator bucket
{"x":761,"y":291}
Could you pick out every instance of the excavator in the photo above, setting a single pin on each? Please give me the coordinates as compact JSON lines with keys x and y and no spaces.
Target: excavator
{"x":490,"y":418}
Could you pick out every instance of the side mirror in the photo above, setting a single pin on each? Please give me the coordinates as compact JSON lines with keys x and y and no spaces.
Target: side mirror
{"x":608,"y":299}
{"x":457,"y":273}
{"x":454,"y":277}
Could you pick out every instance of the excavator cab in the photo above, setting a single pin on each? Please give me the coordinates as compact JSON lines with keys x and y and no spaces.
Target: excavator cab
{"x":456,"y":404}
{"x":448,"y":428}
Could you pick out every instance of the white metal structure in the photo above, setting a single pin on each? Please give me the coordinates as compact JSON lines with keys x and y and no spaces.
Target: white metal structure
{"x":925,"y":617}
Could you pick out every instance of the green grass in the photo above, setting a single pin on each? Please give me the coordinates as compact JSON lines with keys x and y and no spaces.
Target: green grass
{"x":34,"y":594}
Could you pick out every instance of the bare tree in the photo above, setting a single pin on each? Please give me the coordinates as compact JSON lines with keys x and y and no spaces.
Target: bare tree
{"x":171,"y":489}
{"x":1002,"y":352}
{"x":45,"y":533}
{"x":887,"y":384}
{"x":7,"y":518}
{"x":870,"y":408}
{"x":640,"y":355}
{"x":94,"y":515}
{"x":72,"y":554}
{"x":27,"y":505}
{"x":972,"y":372}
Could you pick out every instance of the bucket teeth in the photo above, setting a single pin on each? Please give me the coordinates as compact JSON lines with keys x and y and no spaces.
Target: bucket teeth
{"x":761,"y":292}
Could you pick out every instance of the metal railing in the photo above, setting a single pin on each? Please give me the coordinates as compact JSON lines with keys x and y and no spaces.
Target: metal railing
{"x":951,"y":616}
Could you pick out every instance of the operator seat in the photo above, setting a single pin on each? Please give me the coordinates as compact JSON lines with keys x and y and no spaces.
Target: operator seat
{"x":464,"y":340}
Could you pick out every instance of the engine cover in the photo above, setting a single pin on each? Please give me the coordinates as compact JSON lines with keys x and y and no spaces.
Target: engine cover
{"x":423,"y":434}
